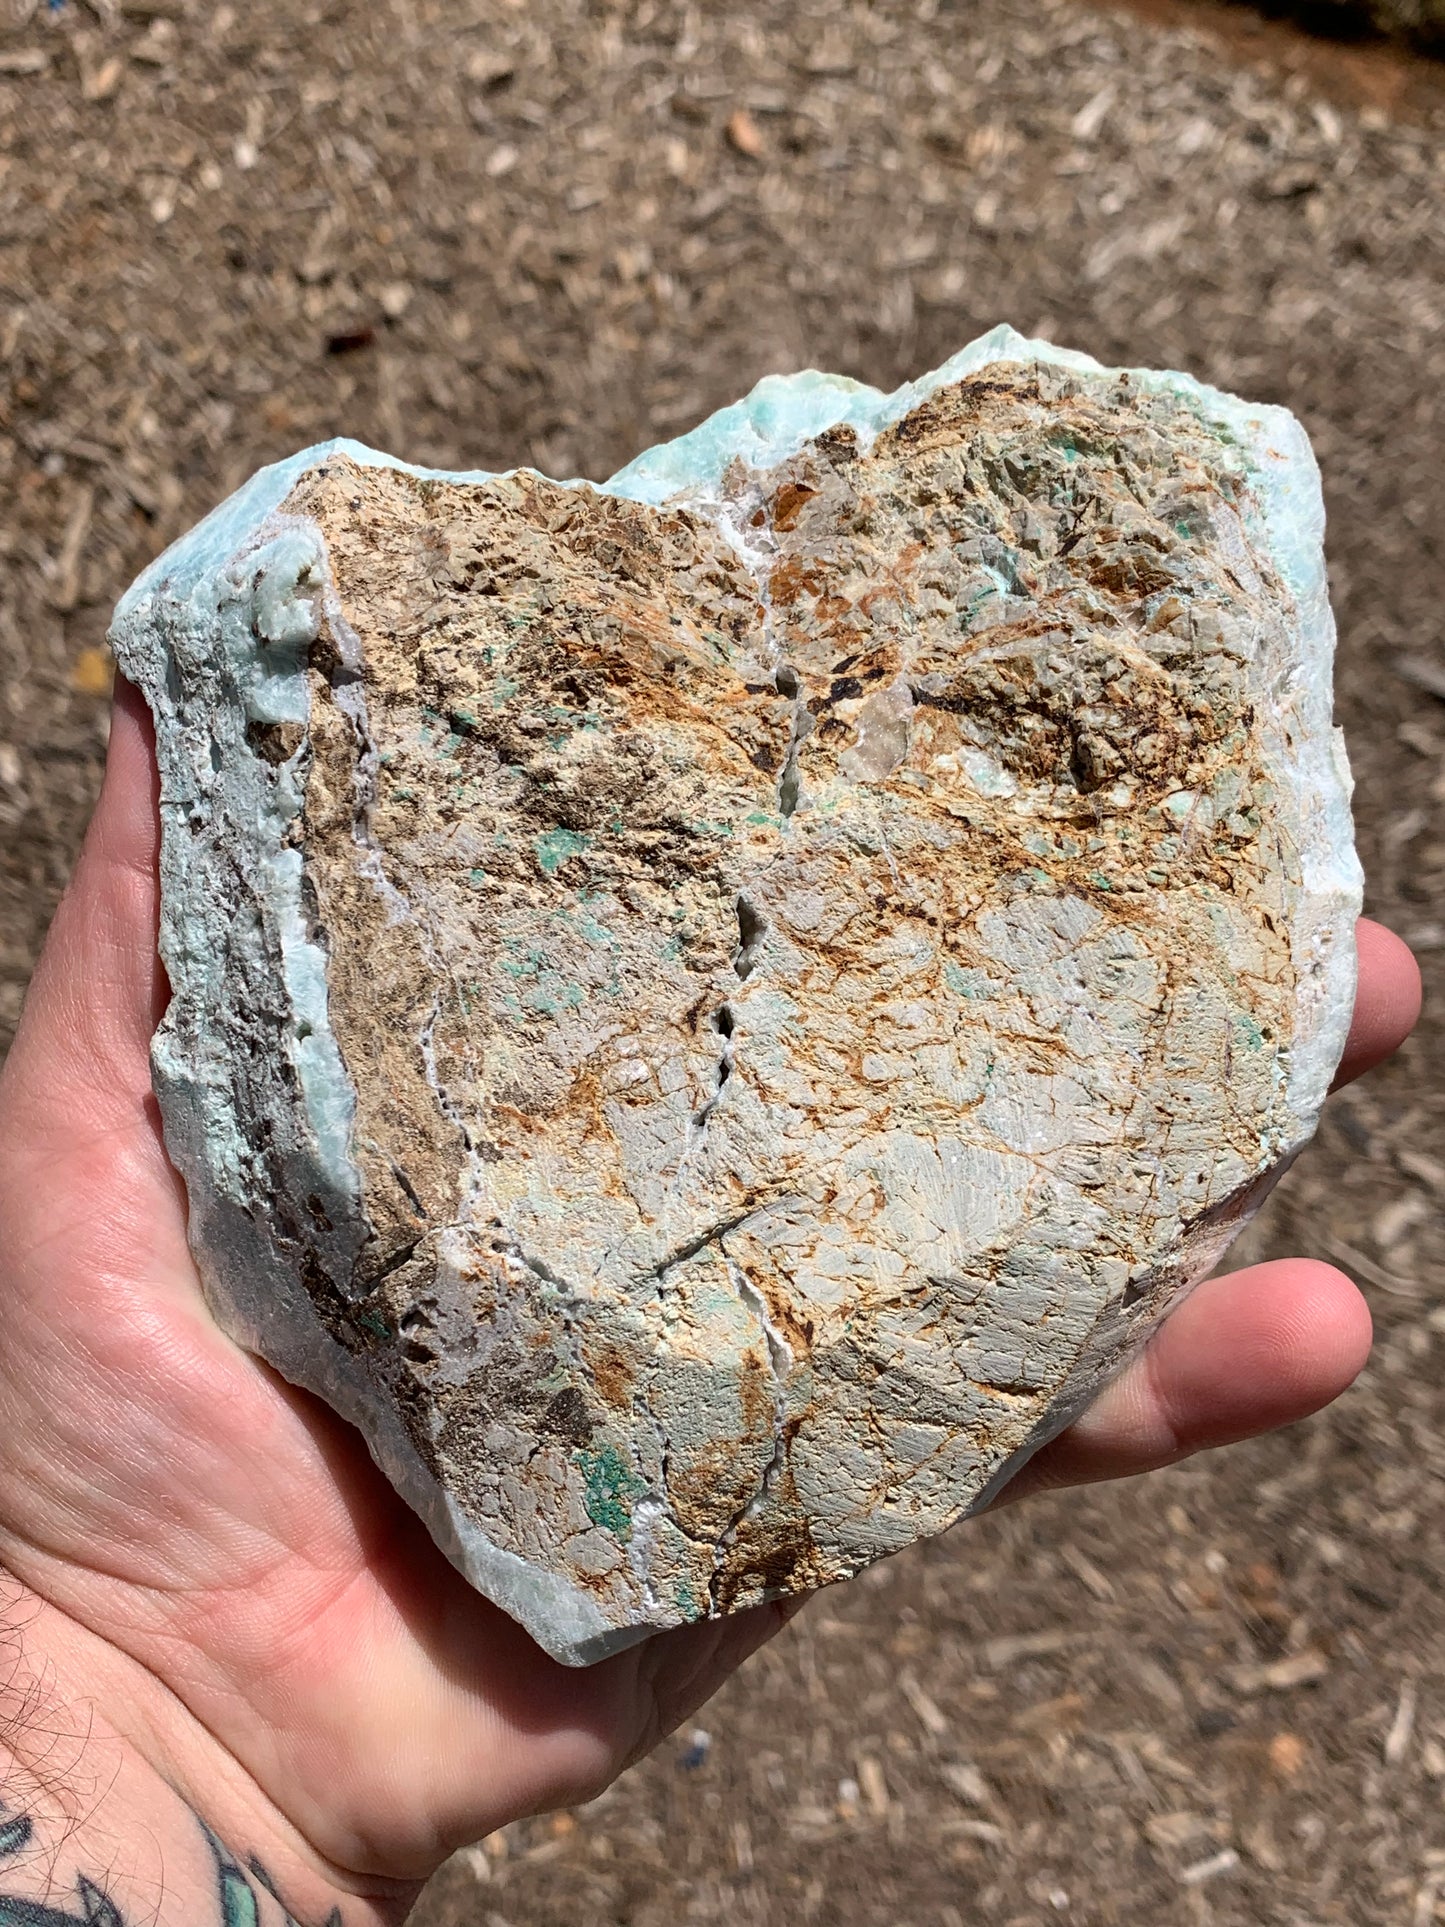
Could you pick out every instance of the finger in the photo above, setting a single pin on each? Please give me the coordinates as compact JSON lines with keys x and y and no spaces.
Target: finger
{"x":81,"y":1055}
{"x":681,"y":1684}
{"x":1243,"y":1354}
{"x":1387,"y":1000}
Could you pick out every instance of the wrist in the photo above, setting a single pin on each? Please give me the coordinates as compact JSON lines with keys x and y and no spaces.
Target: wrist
{"x":116,"y":1806}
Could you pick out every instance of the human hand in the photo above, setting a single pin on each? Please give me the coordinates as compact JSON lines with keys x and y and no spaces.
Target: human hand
{"x":215,"y":1562}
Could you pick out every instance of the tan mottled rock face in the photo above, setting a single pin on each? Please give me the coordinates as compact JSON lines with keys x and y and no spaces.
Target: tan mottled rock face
{"x":818,"y":966}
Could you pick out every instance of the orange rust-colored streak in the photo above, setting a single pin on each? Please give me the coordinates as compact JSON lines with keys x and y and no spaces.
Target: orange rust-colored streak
{"x":793,"y":577}
{"x":789,"y":503}
{"x":613,"y":1373}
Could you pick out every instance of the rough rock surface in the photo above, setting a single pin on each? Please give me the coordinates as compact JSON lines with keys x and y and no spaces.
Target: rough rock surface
{"x":710,"y":1012}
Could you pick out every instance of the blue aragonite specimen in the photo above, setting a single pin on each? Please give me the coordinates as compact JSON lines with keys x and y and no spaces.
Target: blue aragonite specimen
{"x":711,"y":1011}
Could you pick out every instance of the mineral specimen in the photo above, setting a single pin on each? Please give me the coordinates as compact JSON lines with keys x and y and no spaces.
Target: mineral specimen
{"x":710,"y":1011}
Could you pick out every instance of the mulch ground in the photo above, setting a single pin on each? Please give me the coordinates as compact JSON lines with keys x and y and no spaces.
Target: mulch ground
{"x":483,"y":233}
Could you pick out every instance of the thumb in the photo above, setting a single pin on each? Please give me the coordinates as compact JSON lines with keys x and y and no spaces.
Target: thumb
{"x":80,"y":1063}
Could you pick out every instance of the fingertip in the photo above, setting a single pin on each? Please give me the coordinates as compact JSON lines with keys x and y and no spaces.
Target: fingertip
{"x":1313,"y":1329}
{"x":1244,"y":1353}
{"x":1387,"y":999}
{"x":1258,"y":1349}
{"x":126,"y":700}
{"x":81,"y":1051}
{"x":127,"y":813}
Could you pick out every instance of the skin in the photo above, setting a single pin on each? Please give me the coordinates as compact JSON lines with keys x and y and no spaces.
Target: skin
{"x":208,"y":1560}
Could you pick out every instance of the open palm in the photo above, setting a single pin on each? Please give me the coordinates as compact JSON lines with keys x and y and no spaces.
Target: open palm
{"x":231,"y":1542}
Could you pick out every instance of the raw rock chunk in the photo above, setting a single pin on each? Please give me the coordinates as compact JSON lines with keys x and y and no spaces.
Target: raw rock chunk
{"x":711,"y":1011}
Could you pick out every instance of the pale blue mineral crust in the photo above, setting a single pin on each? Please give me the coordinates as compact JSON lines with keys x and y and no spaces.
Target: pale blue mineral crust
{"x":711,"y":1010}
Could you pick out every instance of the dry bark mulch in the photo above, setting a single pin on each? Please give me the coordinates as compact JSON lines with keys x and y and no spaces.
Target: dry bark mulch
{"x":482,"y":233}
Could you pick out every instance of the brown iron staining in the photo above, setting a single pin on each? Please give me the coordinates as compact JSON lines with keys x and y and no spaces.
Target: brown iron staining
{"x":574,"y":699}
{"x":1025,"y":554}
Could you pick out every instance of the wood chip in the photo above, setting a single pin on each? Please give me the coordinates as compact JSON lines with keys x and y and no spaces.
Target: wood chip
{"x":1210,"y":1869}
{"x":872,"y":1784}
{"x":489,"y":68}
{"x":829,"y":57}
{"x":100,"y":82}
{"x":744,"y":133}
{"x":974,"y":1830}
{"x":1428,"y":1170}
{"x":476,"y":1863}
{"x":93,"y":671}
{"x":1373,"y":1274}
{"x":931,"y":1719}
{"x":1281,"y":1675}
{"x":966,"y":1781}
{"x":1012,"y":1647}
{"x":1174,"y":1830}
{"x":1423,"y":673}
{"x":1286,"y":1755}
{"x":1085,"y":1570}
{"x":1092,"y":115}
{"x":1394,"y":1220}
{"x":1402,"y":1727}
{"x":1157,"y":1683}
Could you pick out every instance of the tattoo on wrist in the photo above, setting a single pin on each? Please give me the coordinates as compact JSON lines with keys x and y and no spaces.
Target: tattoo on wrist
{"x":245,"y":1894}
